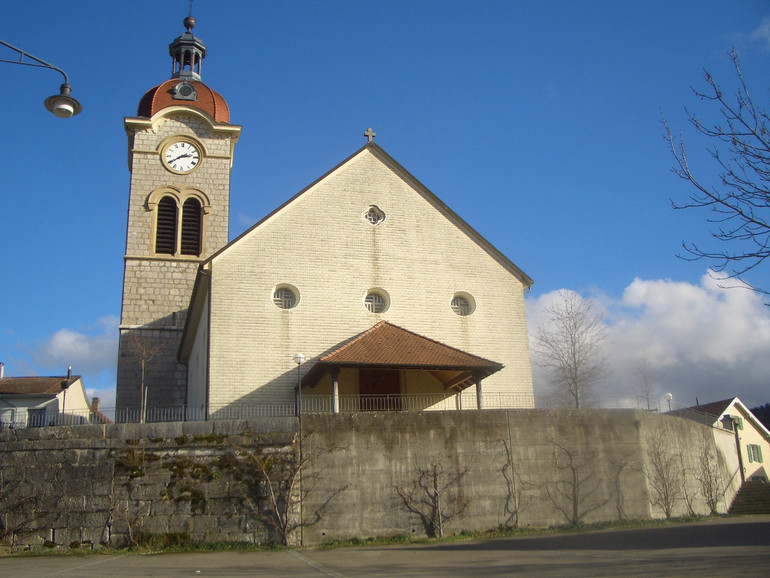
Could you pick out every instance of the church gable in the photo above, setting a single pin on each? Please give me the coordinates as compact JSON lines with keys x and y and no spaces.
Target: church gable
{"x":348,"y":194}
{"x":363,"y":244}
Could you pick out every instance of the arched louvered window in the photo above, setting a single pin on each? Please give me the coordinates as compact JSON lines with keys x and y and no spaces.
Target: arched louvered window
{"x":165,"y":231}
{"x":191,"y":227}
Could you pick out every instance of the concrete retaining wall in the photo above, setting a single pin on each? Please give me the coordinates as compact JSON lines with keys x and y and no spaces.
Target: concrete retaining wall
{"x":363,"y":475}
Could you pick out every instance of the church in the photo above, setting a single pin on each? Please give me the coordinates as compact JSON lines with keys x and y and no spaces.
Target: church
{"x":363,"y":291}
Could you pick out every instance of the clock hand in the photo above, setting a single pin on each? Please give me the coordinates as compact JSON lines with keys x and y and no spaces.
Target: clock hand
{"x":180,"y":157}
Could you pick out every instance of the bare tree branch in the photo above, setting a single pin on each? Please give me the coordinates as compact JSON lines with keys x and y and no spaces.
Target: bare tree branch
{"x":740,"y":201}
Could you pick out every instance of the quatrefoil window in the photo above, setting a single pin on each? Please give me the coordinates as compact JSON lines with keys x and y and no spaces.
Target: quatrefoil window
{"x":374,"y":215}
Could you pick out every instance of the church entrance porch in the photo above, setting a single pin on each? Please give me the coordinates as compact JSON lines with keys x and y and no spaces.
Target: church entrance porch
{"x":388,"y":368}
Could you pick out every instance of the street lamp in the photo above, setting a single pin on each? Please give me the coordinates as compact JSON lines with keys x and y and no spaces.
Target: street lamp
{"x":62,"y":104}
{"x":299,"y":359}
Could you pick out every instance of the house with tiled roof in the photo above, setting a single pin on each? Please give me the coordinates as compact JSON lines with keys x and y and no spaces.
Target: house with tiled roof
{"x":752,"y":438}
{"x":42,"y":401}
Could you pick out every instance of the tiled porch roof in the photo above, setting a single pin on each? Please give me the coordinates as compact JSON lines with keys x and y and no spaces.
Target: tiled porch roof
{"x":387,"y":346}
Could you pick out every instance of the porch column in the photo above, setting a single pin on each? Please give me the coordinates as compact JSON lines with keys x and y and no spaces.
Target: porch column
{"x":479,"y":399}
{"x":335,"y":390}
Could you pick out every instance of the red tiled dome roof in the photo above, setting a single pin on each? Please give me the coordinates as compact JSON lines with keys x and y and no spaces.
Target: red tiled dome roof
{"x":208,"y":101}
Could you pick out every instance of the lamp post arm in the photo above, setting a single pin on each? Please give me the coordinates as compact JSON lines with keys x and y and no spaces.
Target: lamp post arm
{"x":40,"y":63}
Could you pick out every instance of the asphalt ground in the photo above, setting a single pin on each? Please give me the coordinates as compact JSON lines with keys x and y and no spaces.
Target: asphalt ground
{"x":718,"y":547}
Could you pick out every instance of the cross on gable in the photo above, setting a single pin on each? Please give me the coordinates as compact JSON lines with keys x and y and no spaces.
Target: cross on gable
{"x":370,"y":134}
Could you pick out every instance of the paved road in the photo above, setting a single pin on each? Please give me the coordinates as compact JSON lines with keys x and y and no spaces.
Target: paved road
{"x":729,"y":547}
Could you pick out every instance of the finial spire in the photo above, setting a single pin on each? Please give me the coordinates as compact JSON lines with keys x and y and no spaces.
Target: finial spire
{"x":370,"y":134}
{"x":187,"y":52}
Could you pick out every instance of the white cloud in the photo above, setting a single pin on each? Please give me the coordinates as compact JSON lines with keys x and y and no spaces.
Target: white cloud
{"x":92,"y":351}
{"x":701,"y":341}
{"x":762,"y":32}
{"x":106,"y":397}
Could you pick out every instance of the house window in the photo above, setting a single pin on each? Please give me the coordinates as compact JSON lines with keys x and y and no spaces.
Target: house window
{"x":165,"y":231}
{"x":755,"y":453}
{"x":285,"y":297}
{"x":463,"y":304}
{"x":376,"y":302}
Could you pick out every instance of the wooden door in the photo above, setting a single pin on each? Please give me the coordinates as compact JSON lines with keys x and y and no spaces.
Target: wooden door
{"x":379,"y":389}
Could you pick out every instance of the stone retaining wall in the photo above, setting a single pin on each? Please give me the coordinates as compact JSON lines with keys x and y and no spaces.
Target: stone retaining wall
{"x":362,"y":475}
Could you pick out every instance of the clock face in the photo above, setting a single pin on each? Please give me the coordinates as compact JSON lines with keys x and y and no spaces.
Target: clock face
{"x":182,"y":157}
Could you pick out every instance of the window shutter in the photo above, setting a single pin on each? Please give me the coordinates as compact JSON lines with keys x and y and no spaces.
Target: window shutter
{"x":165,"y":231}
{"x":191,"y":227}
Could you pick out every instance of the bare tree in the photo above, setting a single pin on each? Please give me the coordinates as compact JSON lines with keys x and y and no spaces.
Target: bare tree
{"x":686,"y":474}
{"x":433,"y":495}
{"x":618,"y":468}
{"x":280,"y":484}
{"x":569,"y":343}
{"x":29,"y":501}
{"x":517,"y":498}
{"x":710,"y":479}
{"x":740,"y":201}
{"x":663,"y":474}
{"x":577,"y":489}
{"x":646,"y":386}
{"x":16,"y":506}
{"x":145,"y":350}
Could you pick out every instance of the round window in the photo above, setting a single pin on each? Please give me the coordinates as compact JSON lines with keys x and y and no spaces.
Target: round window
{"x":463,"y":304}
{"x":285,"y":297}
{"x":376,"y":302}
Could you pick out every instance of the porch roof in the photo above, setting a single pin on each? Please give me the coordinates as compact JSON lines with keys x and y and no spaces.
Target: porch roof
{"x":387,"y":346}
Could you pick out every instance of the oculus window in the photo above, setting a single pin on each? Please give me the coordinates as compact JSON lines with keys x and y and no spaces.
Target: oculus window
{"x":463,"y":304}
{"x":376,"y":301}
{"x":285,"y":297}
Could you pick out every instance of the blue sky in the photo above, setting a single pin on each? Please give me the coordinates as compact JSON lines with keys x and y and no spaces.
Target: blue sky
{"x":537,"y":122}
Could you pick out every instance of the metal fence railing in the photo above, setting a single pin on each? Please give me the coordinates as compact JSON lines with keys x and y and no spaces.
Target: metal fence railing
{"x":319,"y":404}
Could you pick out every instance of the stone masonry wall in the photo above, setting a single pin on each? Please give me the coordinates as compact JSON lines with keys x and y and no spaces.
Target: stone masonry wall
{"x":157,"y":288}
{"x":89,"y":486}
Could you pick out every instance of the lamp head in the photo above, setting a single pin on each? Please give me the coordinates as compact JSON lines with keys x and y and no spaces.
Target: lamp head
{"x":62,"y":104}
{"x":299,"y":359}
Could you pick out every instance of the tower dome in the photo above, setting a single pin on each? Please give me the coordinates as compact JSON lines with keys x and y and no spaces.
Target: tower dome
{"x":185,"y":87}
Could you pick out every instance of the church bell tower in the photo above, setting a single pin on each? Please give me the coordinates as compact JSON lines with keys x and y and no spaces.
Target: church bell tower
{"x":180,"y":153}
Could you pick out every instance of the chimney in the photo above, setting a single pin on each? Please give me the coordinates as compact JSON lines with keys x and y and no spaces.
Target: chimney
{"x":2,"y":370}
{"x":69,"y":372}
{"x":95,"y":403}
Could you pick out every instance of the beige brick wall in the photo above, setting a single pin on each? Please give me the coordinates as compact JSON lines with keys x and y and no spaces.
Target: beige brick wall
{"x":322,"y":245}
